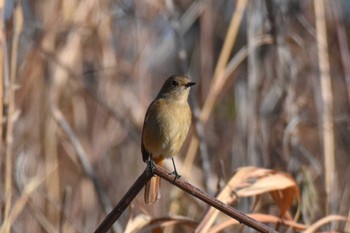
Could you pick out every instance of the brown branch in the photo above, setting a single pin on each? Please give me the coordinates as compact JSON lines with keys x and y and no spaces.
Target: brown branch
{"x":212,"y":201}
{"x":126,"y":200}
{"x":188,"y":188}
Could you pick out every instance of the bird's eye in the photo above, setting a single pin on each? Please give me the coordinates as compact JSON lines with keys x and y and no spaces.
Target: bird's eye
{"x":174,"y":83}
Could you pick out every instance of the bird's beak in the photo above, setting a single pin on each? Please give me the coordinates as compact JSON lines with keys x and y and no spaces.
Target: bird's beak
{"x":189,"y":84}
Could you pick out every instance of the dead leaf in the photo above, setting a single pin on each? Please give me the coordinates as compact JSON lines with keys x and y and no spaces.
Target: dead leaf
{"x":253,"y":181}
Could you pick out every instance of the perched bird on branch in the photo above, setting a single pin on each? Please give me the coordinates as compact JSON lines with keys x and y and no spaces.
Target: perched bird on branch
{"x":165,"y":128}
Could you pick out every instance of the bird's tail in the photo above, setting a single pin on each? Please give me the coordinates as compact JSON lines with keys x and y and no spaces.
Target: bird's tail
{"x":152,"y":193}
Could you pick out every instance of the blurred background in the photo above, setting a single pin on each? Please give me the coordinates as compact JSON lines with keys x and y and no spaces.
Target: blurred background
{"x":273,"y":91}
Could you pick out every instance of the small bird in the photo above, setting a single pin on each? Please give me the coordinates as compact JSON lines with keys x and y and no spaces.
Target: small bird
{"x":165,"y":128}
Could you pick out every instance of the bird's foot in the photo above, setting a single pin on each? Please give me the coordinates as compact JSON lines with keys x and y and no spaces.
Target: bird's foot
{"x":176,"y":175}
{"x":151,"y":165}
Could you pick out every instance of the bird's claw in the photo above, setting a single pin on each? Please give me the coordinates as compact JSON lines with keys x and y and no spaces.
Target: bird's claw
{"x":176,"y":175}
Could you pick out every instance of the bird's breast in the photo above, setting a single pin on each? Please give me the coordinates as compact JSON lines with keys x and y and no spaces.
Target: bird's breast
{"x":167,"y":124}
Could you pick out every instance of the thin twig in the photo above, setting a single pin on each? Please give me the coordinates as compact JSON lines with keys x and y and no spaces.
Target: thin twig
{"x":4,"y":69}
{"x":10,"y":101}
{"x":327,"y":102}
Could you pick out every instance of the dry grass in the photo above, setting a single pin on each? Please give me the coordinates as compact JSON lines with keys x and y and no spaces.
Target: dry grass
{"x":273,"y":92}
